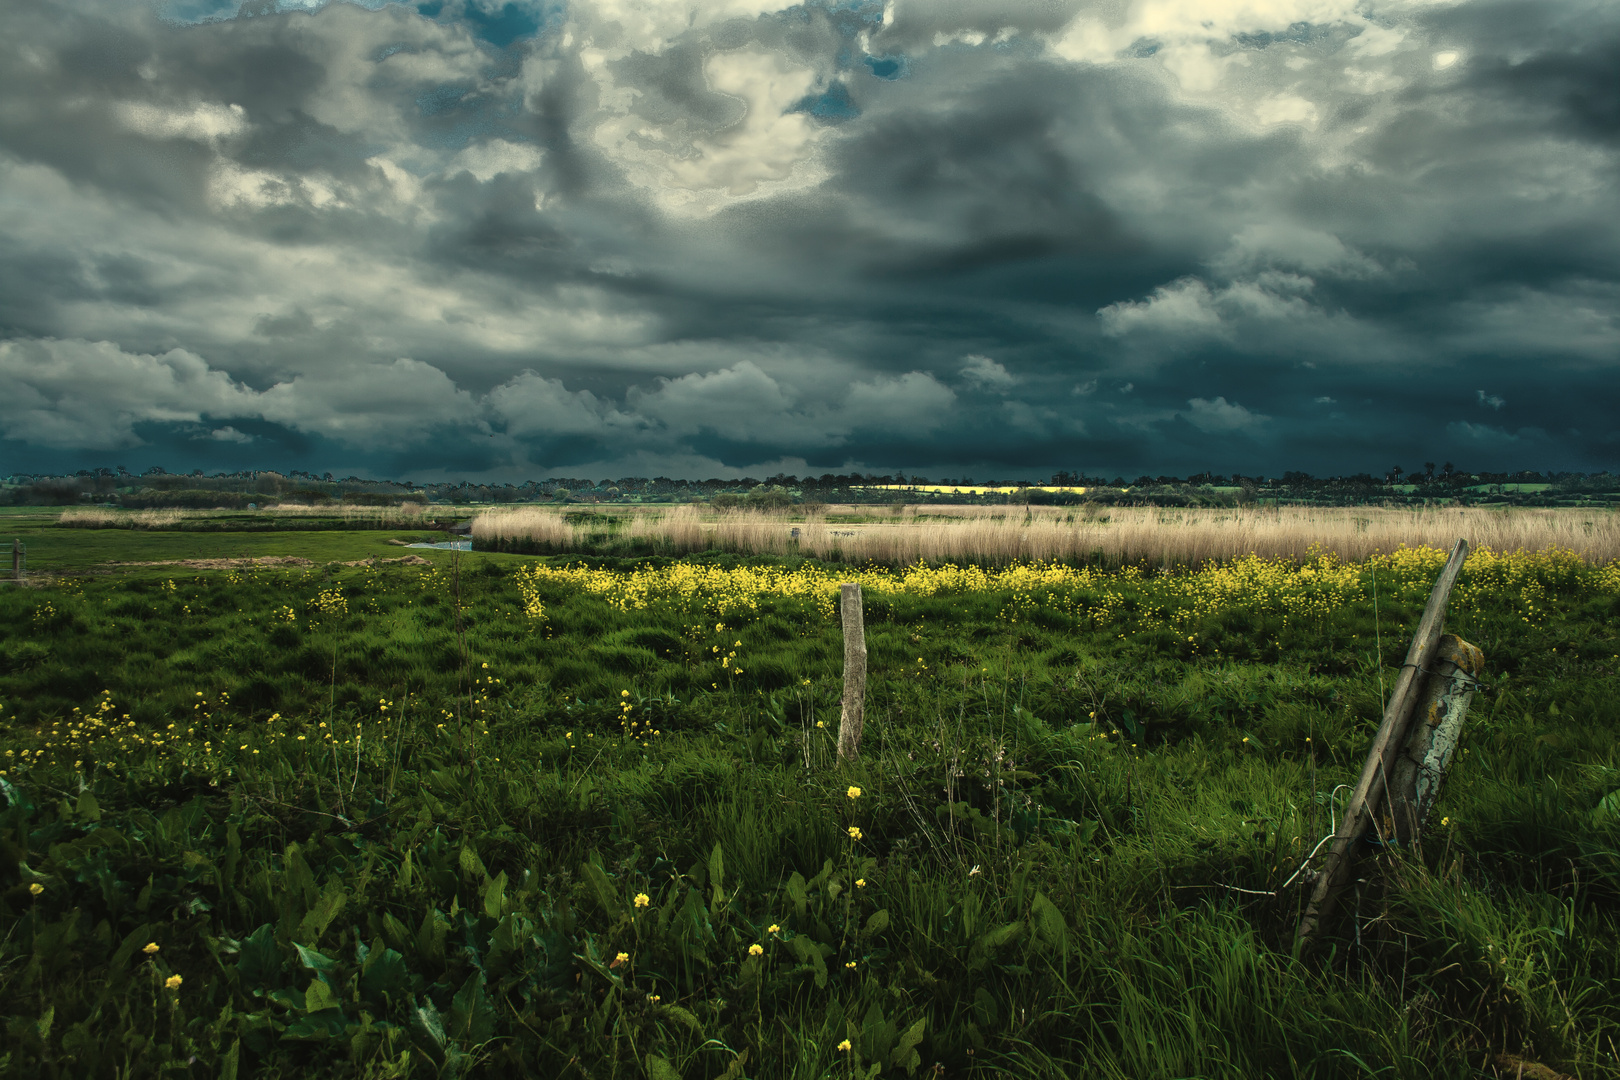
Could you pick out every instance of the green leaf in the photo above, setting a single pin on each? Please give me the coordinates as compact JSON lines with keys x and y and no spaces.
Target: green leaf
{"x":1002,"y":935}
{"x":906,"y":1055}
{"x":717,"y":869}
{"x":1050,"y":926}
{"x":430,"y":936}
{"x":313,"y":960}
{"x":88,"y":809}
{"x":1608,"y":808}
{"x":232,"y":1060}
{"x":384,"y":973}
{"x":258,"y":960}
{"x":472,"y":1017}
{"x":735,"y":1069}
{"x":319,"y":917}
{"x":660,"y":1069}
{"x":318,"y":996}
{"x":427,"y":1029}
{"x":602,"y":889}
{"x":877,"y":923}
{"x":317,"y":1026}
{"x":796,"y":893}
{"x":494,"y":893}
{"x":684,"y":1016}
{"x":471,"y":865}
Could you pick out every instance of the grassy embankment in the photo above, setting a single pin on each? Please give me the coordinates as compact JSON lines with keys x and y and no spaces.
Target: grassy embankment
{"x":363,"y":852}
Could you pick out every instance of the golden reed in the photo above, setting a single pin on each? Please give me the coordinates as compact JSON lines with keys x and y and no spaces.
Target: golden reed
{"x":1109,"y":535}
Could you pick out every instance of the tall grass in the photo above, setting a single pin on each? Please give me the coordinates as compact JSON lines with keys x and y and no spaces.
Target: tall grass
{"x":103,"y":517}
{"x":1111,"y":536}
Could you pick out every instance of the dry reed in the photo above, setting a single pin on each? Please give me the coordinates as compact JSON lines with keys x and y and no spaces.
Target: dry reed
{"x":1107,"y":535}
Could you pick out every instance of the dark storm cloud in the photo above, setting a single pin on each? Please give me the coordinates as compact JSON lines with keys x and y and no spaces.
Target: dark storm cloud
{"x":515,"y":237}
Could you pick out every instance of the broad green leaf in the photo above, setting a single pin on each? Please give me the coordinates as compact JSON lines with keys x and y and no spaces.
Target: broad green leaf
{"x":1050,"y":926}
{"x":1003,"y":935}
{"x":906,"y":1055}
{"x":327,"y":908}
{"x":384,"y":973}
{"x":427,"y":1030}
{"x":494,"y":893}
{"x":602,"y":889}
{"x":717,"y":868}
{"x":313,"y":960}
{"x":232,"y":1060}
{"x":684,"y":1016}
{"x":430,"y":936}
{"x":471,"y":865}
{"x":318,"y":996}
{"x":660,"y":1069}
{"x":735,"y":1069}
{"x":317,"y":1026}
{"x":258,"y":960}
{"x":472,"y":1017}
{"x":877,"y":923}
{"x":88,"y":809}
{"x":796,"y":893}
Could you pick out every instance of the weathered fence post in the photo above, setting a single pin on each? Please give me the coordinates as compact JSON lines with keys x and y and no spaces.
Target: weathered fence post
{"x":849,"y":721}
{"x":1376,"y":774}
{"x":1431,"y":738}
{"x":17,"y":560}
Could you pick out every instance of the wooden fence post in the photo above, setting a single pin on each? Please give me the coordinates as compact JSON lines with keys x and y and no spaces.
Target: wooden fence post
{"x":17,"y":560}
{"x":1376,"y":774}
{"x":850,"y":720}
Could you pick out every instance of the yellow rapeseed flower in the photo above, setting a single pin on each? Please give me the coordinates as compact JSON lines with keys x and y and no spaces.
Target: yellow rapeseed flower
{"x":756,"y":950}
{"x":149,"y":948}
{"x":854,"y":833}
{"x":642,"y":899}
{"x":36,"y":888}
{"x":860,"y":883}
{"x":843,"y":1047}
{"x":623,"y":958}
{"x":773,"y":928}
{"x":172,"y":982}
{"x":853,"y":792}
{"x":850,"y":964}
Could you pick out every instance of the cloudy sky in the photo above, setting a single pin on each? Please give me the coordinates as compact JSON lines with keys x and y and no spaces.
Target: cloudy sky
{"x":506,"y":239}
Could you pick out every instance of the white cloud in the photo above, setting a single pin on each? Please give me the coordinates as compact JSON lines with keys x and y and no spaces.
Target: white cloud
{"x":371,"y":405}
{"x":486,"y":160}
{"x":203,"y":122}
{"x":983,"y":373}
{"x":911,"y":404}
{"x":1183,"y":306}
{"x":1490,"y":400}
{"x":1221,"y":417}
{"x":229,"y":434}
{"x":533,"y":405}
{"x":91,"y":394}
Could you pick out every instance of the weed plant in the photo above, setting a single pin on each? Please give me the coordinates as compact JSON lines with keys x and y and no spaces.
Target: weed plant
{"x":535,"y":817}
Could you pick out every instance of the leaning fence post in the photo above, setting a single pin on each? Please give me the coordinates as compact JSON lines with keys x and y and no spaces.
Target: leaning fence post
{"x":17,"y":560}
{"x":849,"y":721}
{"x":1377,"y":772}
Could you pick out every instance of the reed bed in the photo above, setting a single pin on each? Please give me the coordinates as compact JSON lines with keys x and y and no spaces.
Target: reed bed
{"x":1097,"y":535}
{"x":103,"y":517}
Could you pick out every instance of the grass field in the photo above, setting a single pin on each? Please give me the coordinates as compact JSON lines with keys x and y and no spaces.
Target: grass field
{"x":581,"y":817}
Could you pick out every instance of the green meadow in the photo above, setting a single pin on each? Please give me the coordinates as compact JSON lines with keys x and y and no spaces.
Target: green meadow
{"x":499,"y":815}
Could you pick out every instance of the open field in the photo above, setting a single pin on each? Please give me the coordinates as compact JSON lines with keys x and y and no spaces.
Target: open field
{"x":580,"y":817}
{"x":1108,"y":536}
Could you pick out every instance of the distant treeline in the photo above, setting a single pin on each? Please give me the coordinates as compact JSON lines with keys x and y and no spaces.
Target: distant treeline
{"x":156,"y":489}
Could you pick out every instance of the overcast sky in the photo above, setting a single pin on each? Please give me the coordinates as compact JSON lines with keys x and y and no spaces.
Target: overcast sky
{"x":503,"y":240}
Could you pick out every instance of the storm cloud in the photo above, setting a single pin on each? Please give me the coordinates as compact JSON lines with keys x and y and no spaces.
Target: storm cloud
{"x":511,"y":238}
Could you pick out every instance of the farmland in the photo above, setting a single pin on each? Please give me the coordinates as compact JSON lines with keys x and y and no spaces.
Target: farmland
{"x":580,"y":815}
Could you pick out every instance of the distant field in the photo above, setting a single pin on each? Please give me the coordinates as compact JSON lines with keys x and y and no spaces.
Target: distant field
{"x":579,"y":815}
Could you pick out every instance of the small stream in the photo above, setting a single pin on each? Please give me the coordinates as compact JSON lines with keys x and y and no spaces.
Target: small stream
{"x":446,"y":545}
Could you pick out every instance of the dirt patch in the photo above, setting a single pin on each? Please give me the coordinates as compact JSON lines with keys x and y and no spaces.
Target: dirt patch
{"x":403,"y":560}
{"x":224,"y":564}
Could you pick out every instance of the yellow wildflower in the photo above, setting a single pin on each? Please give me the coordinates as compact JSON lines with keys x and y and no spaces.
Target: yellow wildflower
{"x":854,"y":833}
{"x":642,"y":899}
{"x":36,"y":888}
{"x":853,"y":792}
{"x":756,"y":950}
{"x":172,"y":982}
{"x":844,"y":1046}
{"x":149,"y":948}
